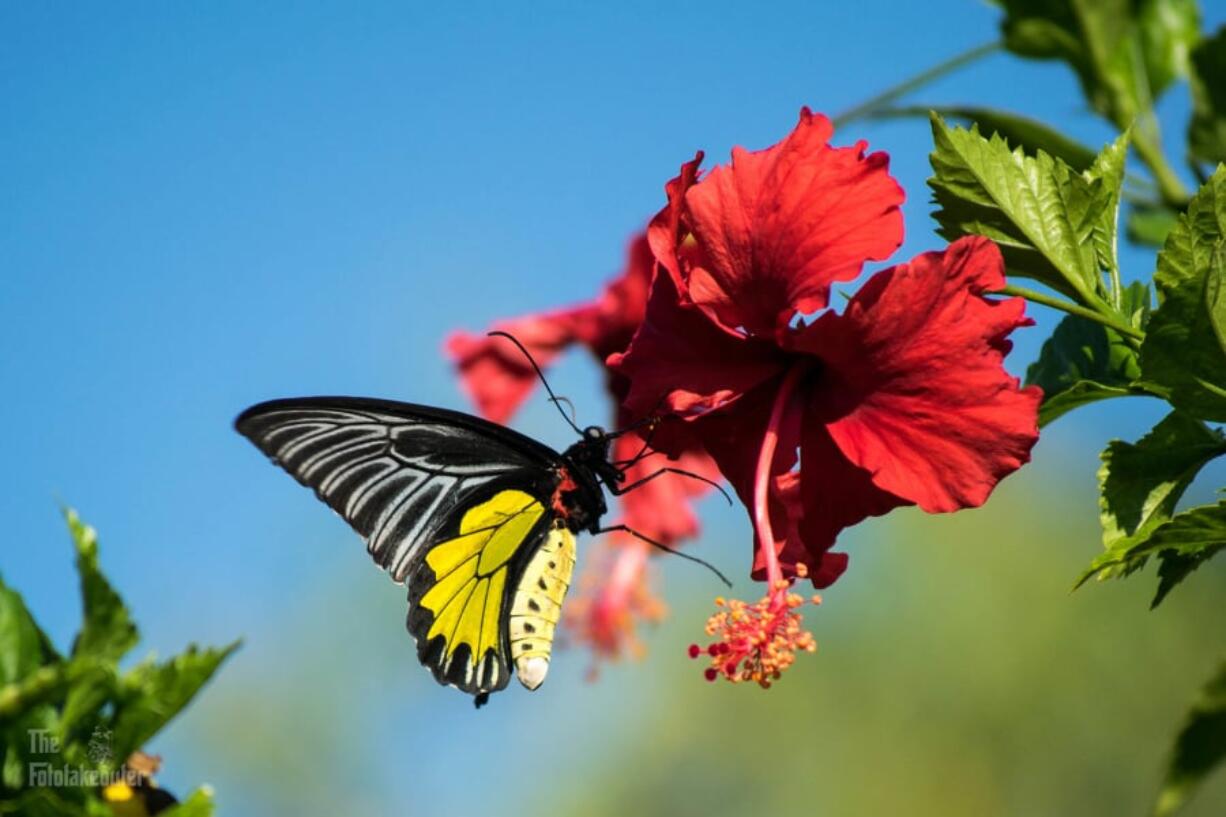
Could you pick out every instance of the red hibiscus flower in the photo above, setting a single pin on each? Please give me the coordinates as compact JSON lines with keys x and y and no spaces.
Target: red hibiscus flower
{"x":499,"y":379}
{"x":899,"y":399}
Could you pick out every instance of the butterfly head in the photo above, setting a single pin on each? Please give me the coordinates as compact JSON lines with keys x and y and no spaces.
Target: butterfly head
{"x":592,"y":452}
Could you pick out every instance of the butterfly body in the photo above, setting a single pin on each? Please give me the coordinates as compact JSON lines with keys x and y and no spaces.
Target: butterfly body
{"x":477,"y":520}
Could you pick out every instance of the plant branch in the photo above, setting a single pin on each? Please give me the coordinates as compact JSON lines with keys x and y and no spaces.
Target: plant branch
{"x":916,"y":82}
{"x":1073,"y":309}
{"x":1172,"y":189}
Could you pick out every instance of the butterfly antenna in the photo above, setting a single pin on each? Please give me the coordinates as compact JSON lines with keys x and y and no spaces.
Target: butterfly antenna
{"x":553,"y":398}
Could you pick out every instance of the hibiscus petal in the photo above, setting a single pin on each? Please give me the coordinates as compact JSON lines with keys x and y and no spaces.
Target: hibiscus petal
{"x":495,"y":374}
{"x":914,"y":389}
{"x":835,"y":494}
{"x":733,"y":436}
{"x":661,"y":509}
{"x":663,"y":234}
{"x":611,"y":599}
{"x":619,"y":309}
{"x":679,"y":353}
{"x":779,"y":226}
{"x":822,"y":566}
{"x":499,"y":378}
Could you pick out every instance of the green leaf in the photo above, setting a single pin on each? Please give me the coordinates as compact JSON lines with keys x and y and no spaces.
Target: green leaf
{"x":1140,"y":483}
{"x":93,"y":685}
{"x":1199,"y":532}
{"x":1192,"y":532}
{"x":1083,"y":362}
{"x":1168,"y":29}
{"x":1185,"y":344}
{"x":1207,"y":128}
{"x":1040,"y":212}
{"x":46,"y":683}
{"x":1108,"y":171}
{"x":1124,"y":52}
{"x":108,"y":630}
{"x":1150,"y":225}
{"x":24,"y":647}
{"x":199,"y":804}
{"x":1200,"y":746}
{"x":1020,"y":131}
{"x":48,"y":802}
{"x":1173,"y":568}
{"x":1081,"y":393}
{"x":31,"y":713}
{"x":71,"y":699}
{"x":151,"y":693}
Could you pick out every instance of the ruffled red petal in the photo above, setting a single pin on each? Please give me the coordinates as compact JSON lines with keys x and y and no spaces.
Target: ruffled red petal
{"x":495,"y":374}
{"x":619,"y":309}
{"x":835,"y":494}
{"x":661,"y":508}
{"x":913,"y":389}
{"x":664,"y":231}
{"x":821,"y":565}
{"x":612,"y":599}
{"x":777,"y":227}
{"x":680,"y":356}
{"x":733,"y":436}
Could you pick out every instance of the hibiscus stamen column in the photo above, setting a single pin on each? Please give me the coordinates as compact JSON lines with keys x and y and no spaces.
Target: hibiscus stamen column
{"x":756,"y":642}
{"x":762,"y":476}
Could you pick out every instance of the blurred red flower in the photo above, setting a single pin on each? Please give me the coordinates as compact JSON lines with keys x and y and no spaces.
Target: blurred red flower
{"x":901,"y":399}
{"x":499,"y":379}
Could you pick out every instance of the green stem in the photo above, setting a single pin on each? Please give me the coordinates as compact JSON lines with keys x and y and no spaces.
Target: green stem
{"x":1143,"y":199}
{"x":1073,"y":309}
{"x":1172,"y":189}
{"x":918,"y":81}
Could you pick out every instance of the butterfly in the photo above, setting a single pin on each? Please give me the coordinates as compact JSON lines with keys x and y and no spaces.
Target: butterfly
{"x":476,"y":519}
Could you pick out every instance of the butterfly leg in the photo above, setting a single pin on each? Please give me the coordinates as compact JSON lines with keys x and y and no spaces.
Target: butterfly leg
{"x":618,"y":490}
{"x":644,"y":538}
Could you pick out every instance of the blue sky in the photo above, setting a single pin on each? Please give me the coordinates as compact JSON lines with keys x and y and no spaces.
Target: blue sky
{"x":208,"y":205}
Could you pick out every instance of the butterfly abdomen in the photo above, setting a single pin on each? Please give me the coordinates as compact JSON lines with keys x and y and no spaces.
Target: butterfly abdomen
{"x":537,"y":605}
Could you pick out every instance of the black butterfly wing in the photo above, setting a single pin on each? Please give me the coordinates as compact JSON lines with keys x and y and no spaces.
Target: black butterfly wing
{"x":449,"y":504}
{"x":396,"y":472}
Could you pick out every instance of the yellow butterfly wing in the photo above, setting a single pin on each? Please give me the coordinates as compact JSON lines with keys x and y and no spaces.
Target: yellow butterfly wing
{"x":492,"y":588}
